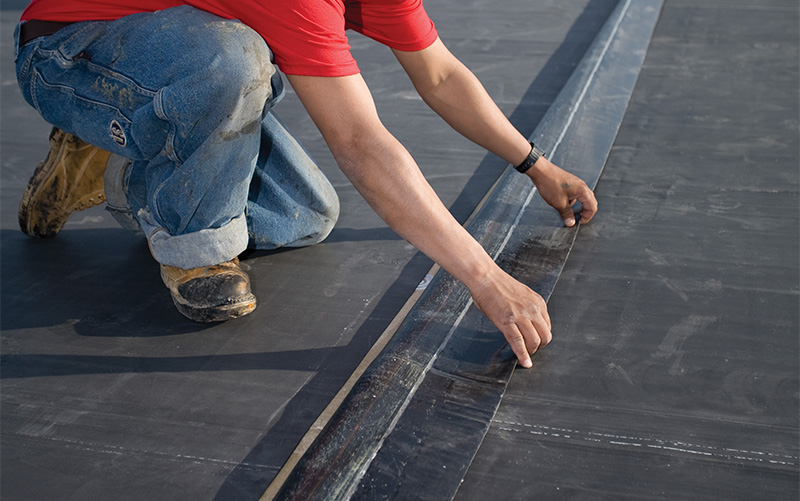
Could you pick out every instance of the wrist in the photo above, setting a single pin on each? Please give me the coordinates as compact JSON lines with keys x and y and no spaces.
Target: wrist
{"x":474,"y":268}
{"x":532,"y":159}
{"x":540,"y":171}
{"x":489,"y":276}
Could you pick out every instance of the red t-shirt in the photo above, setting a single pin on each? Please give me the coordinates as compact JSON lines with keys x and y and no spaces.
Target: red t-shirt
{"x":306,"y":36}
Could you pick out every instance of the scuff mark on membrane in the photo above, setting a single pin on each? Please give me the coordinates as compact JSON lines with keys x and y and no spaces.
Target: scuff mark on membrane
{"x":677,"y":335}
{"x":616,"y":369}
{"x":674,"y":288}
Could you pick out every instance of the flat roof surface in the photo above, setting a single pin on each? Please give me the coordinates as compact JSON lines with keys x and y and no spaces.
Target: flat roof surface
{"x":674,"y":370}
{"x":674,"y":374}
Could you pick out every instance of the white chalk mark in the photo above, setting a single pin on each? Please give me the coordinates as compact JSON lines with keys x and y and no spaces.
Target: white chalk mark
{"x":650,"y":443}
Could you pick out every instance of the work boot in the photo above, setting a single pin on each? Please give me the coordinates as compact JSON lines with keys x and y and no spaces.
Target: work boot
{"x":70,"y":179}
{"x":211,"y":293}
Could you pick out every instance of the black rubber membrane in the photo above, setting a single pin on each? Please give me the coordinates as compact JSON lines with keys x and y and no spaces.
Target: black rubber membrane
{"x":674,"y":369}
{"x":108,"y":393}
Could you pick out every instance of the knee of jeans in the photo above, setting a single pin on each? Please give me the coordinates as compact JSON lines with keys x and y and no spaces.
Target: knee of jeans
{"x":325,"y":221}
{"x":241,"y":71}
{"x":331,"y":211}
{"x":328,"y":216}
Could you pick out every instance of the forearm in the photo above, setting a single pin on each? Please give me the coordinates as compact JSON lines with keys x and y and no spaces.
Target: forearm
{"x":388,"y":178}
{"x":455,"y":94}
{"x":465,"y":105}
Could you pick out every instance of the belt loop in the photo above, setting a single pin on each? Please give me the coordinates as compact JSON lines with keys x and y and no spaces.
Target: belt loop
{"x":16,"y":39}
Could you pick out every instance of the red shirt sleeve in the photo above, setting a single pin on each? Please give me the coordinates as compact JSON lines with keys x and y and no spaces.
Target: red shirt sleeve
{"x":308,"y":37}
{"x":399,"y":24}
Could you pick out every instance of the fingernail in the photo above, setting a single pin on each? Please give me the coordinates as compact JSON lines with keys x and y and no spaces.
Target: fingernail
{"x":570,"y":222}
{"x":527,"y":364}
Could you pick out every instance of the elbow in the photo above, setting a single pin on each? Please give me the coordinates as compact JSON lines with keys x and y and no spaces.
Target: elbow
{"x":350,"y":147}
{"x":357,"y":151}
{"x":370,"y":159}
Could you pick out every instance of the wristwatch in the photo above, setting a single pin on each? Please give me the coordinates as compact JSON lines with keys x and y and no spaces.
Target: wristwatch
{"x":533,"y":156}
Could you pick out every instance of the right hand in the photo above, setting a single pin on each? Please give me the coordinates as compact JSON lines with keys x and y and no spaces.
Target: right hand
{"x":519,"y":313}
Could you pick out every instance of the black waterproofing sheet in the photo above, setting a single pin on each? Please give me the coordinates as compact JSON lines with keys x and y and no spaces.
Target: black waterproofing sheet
{"x":673,"y":373}
{"x":107,"y":392}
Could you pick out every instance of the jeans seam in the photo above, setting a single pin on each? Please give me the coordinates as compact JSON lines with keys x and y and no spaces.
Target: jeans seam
{"x":97,"y":68}
{"x":32,"y":89}
{"x":28,"y":61}
{"x":26,"y":67}
{"x":154,"y":208}
{"x":71,"y":90}
{"x":169,"y":143}
{"x":100,"y":69}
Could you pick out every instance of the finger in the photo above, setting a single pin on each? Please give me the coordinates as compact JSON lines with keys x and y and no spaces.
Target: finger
{"x":541,"y":305}
{"x":543,"y":332}
{"x":567,"y":215}
{"x":530,"y":332}
{"x":589,"y":203}
{"x":517,"y":343}
{"x":546,"y":317}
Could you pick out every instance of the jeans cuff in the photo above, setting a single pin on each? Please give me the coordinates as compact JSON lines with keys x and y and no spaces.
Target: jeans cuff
{"x":194,"y":250}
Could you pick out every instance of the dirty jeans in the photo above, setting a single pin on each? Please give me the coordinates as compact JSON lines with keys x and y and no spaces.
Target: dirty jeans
{"x":186,"y":96}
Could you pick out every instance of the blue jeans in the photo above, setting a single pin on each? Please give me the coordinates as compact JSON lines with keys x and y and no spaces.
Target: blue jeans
{"x":186,"y":96}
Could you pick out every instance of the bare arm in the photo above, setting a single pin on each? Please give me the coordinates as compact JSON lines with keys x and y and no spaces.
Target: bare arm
{"x":455,"y":94}
{"x":385,"y":174}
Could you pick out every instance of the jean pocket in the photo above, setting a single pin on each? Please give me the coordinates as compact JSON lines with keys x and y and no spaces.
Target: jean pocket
{"x":81,"y":110}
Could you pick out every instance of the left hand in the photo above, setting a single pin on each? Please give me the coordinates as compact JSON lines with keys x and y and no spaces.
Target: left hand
{"x":561,"y":190}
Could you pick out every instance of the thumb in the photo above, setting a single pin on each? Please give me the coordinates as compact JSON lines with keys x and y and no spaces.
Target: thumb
{"x":568,"y":216}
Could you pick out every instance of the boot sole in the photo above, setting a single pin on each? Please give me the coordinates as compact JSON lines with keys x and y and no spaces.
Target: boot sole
{"x":219,"y":313}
